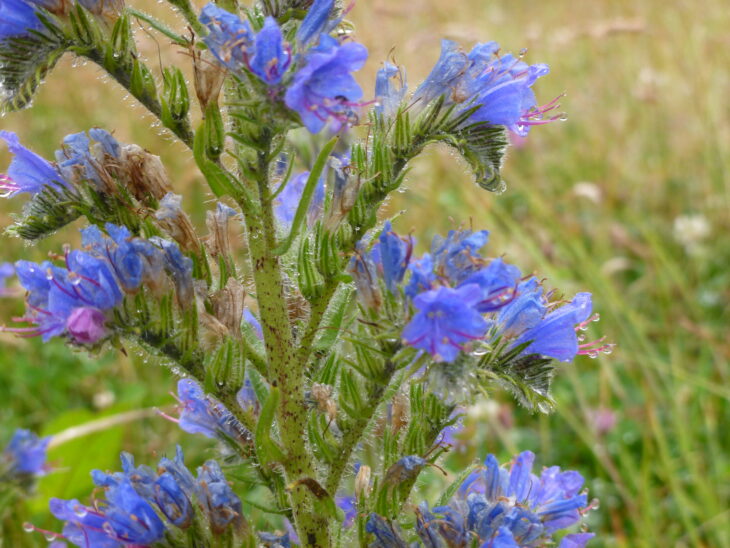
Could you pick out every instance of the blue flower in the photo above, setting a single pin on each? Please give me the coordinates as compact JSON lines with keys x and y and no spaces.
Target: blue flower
{"x":246,"y":396}
{"x":323,"y":89}
{"x":7,"y":270}
{"x":27,"y":172}
{"x":179,"y":267}
{"x":386,"y":534}
{"x":514,"y":508}
{"x":405,"y":469}
{"x":83,"y":157}
{"x":422,"y":276}
{"x":348,"y":505}
{"x":394,"y":255}
{"x":271,"y":58}
{"x":26,"y":453}
{"x":220,"y":503}
{"x":229,"y":38}
{"x":173,"y":501}
{"x":553,"y":334}
{"x":499,"y":85}
{"x":316,"y":22}
{"x":17,"y":17}
{"x":364,"y":272}
{"x":123,"y":518}
{"x":388,"y":95}
{"x":253,"y":322}
{"x":446,"y":319}
{"x":456,"y":257}
{"x":237,"y":47}
{"x":498,"y":282}
{"x":137,"y":498}
{"x":288,"y":201}
{"x":201,"y":414}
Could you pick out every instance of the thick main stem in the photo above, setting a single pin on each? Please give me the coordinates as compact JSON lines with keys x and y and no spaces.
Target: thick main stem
{"x":284,"y":370}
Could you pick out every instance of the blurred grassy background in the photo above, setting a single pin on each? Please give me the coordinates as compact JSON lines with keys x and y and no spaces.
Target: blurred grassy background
{"x":628,"y":199}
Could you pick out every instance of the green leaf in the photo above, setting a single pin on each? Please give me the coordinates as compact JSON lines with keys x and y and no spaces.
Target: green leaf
{"x":309,"y":188}
{"x":217,"y":177}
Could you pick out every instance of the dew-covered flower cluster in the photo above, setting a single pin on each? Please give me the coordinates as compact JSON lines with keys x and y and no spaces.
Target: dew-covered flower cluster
{"x":141,"y":505}
{"x":463,"y":301}
{"x":498,"y":508}
{"x":75,"y":296}
{"x":314,"y":73}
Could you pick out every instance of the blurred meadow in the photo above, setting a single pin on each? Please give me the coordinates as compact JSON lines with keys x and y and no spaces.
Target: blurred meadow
{"x":629,"y":199}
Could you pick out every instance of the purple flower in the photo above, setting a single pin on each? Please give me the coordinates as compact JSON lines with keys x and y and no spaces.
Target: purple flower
{"x":253,"y":322}
{"x":7,"y":270}
{"x":446,"y":319}
{"x":17,"y":17}
{"x":387,"y":535}
{"x":27,"y":172}
{"x":86,"y":324}
{"x":271,"y":57}
{"x":26,"y":453}
{"x":323,"y":89}
{"x":499,"y":85}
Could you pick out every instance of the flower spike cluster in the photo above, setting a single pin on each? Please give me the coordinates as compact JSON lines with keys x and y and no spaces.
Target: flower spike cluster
{"x":462,"y":299}
{"x":75,"y":299}
{"x":497,"y":508}
{"x":316,"y":82}
{"x":498,"y":84}
{"x":141,"y":504}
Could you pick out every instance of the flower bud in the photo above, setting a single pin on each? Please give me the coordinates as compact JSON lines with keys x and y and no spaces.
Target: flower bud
{"x":108,"y":9}
{"x":86,"y":324}
{"x":57,"y":7}
{"x":362,"y":482}
{"x":399,"y":412}
{"x":217,"y":242}
{"x":208,"y":77}
{"x":228,"y":306}
{"x":176,"y":222}
{"x":143,"y":173}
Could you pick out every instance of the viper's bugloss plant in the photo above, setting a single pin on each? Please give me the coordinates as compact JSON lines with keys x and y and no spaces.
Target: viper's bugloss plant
{"x":324,"y":340}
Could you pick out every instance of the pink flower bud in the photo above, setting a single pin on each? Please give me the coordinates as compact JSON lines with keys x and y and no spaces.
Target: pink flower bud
{"x":86,"y":324}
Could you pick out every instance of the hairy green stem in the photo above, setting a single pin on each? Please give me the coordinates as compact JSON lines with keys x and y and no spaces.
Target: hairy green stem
{"x":122,"y":73}
{"x":355,"y":431}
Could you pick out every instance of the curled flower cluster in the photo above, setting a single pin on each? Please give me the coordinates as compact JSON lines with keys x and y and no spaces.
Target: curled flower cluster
{"x":317,"y":83}
{"x":76,"y":299}
{"x":461,"y":298}
{"x":496,"y":508}
{"x":141,"y":504}
{"x":498,"y":85}
{"x":25,"y":455}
